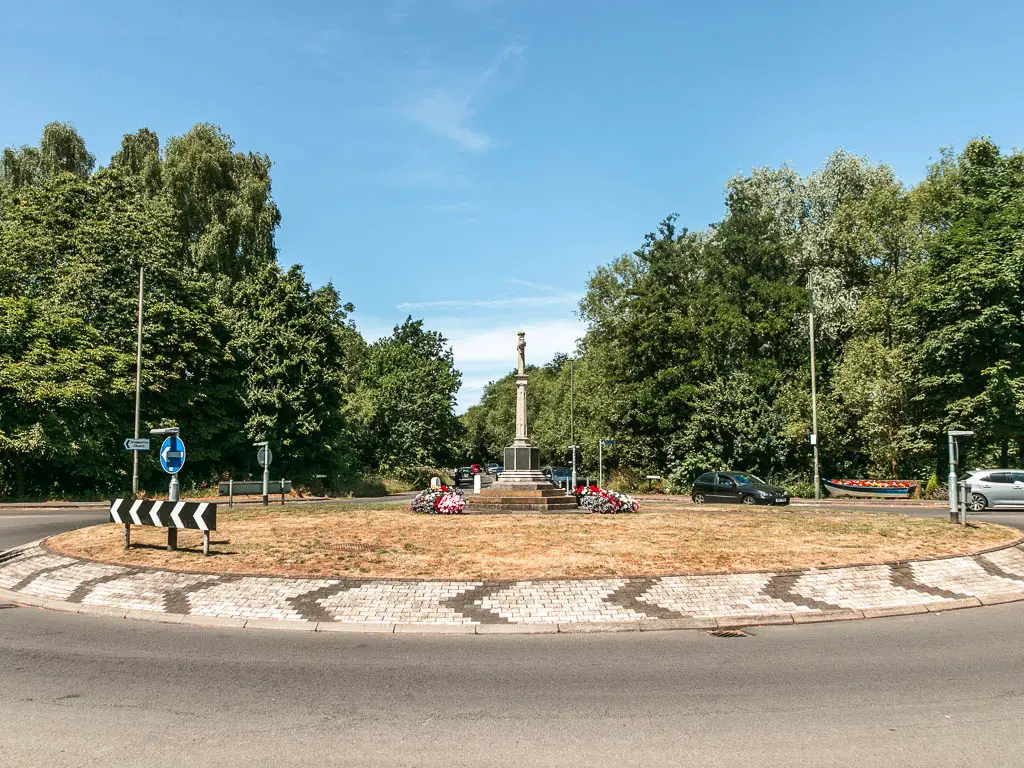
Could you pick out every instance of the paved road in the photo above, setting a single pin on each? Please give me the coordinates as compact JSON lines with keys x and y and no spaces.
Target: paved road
{"x":938,"y":689}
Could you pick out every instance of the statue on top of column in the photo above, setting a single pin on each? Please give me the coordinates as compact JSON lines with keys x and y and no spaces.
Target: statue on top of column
{"x":522,"y":352}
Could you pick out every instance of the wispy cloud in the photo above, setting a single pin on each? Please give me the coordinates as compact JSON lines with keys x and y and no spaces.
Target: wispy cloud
{"x":448,"y":110}
{"x":506,"y":303}
{"x":486,"y":355}
{"x":529,"y":284}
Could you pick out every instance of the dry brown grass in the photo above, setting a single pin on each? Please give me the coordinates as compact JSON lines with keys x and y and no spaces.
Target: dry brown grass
{"x":360,"y":542}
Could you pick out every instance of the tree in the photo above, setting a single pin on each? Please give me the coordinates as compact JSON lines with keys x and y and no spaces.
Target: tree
{"x":298,"y":360}
{"x":403,"y":409}
{"x":968,"y":305}
{"x":226,"y":217}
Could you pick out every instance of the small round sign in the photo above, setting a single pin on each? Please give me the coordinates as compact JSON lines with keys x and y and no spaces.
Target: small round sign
{"x":172,"y":455}
{"x":264,"y":456}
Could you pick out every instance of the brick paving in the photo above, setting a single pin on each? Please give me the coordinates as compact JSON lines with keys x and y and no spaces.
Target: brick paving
{"x":33,"y":574}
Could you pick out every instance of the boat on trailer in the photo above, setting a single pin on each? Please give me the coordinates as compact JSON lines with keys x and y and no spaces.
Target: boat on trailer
{"x":885,"y":489}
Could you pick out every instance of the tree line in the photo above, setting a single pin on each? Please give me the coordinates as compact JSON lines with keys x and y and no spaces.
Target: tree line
{"x":696,"y":355}
{"x":237,"y":347}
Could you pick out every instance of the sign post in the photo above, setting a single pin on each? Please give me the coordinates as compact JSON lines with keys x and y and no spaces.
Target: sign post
{"x":172,"y":459}
{"x":573,"y":449}
{"x":264,"y":456}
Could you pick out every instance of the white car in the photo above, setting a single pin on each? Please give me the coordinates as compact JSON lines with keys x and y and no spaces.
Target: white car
{"x":990,"y":488}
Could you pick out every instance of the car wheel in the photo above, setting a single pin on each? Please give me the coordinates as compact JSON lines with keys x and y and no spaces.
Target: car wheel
{"x":749,"y":500}
{"x":977,"y":503}
{"x":699,"y":498}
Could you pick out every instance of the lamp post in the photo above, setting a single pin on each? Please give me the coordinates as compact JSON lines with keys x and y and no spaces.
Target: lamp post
{"x":814,"y":389}
{"x":572,"y":424}
{"x":954,"y":457}
{"x":138,"y":389}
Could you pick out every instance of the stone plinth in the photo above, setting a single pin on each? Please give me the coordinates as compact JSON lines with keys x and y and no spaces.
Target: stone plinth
{"x":523,"y":497}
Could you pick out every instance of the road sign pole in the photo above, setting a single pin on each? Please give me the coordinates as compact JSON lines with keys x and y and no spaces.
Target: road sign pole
{"x":266,"y":484}
{"x":173,"y":494}
{"x":600,"y":463}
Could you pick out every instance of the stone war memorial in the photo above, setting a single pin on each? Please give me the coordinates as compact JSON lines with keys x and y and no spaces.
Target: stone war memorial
{"x":522,"y":487}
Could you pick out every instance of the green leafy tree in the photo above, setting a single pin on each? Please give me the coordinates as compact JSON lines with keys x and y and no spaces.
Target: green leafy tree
{"x":403,"y":408}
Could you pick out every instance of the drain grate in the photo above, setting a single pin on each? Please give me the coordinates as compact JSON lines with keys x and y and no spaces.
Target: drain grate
{"x":728,"y":633}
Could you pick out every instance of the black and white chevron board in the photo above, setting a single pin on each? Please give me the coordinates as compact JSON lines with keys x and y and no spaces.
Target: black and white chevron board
{"x":199,"y":516}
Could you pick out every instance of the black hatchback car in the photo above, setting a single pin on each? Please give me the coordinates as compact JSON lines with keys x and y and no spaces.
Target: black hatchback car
{"x":735,"y":488}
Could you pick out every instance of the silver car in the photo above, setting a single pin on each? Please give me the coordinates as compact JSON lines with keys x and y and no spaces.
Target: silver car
{"x":995,"y":488}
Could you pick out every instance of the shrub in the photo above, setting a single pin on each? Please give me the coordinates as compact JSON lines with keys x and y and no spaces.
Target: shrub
{"x":627,"y":480}
{"x":801,"y":489}
{"x":932,"y":486}
{"x":419,"y":477}
{"x":360,"y":486}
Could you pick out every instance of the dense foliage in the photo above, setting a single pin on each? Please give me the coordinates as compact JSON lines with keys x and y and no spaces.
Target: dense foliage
{"x":697,"y":352}
{"x":237,"y":348}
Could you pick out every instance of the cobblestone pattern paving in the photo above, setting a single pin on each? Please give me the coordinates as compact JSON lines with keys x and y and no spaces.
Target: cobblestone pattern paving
{"x":36,"y":572}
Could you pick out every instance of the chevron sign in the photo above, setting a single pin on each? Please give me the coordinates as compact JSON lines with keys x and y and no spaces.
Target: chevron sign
{"x":199,"y":516}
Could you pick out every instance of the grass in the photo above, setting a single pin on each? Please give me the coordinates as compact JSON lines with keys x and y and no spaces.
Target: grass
{"x":389,"y":542}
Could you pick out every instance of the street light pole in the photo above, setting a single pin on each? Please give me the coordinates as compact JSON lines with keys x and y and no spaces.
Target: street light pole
{"x":572,"y":424}
{"x":814,"y":390}
{"x":138,"y":389}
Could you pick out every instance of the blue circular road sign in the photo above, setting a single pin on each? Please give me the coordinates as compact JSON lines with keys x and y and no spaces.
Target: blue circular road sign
{"x":172,"y":455}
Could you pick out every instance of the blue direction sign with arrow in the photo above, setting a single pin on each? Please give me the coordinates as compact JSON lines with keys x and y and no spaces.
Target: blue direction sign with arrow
{"x":172,"y":455}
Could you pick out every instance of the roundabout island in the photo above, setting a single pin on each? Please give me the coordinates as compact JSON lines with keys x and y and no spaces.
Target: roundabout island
{"x":387,"y":569}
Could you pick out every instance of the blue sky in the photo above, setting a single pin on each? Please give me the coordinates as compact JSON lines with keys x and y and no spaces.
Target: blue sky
{"x":472,"y":161}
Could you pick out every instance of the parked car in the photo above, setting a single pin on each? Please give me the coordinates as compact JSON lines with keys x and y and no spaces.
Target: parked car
{"x":463,"y":475}
{"x":558,"y":475}
{"x":994,"y":488}
{"x":492,"y":468}
{"x":476,"y":469}
{"x":735,"y":488}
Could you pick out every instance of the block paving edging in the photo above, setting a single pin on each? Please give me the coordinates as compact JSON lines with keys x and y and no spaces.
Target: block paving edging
{"x":33,"y":575}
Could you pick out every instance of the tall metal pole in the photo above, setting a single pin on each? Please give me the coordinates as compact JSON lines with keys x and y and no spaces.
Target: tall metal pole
{"x":600,"y":463}
{"x":572,"y":424}
{"x":814,"y":391}
{"x":953,"y":512}
{"x":138,"y":389}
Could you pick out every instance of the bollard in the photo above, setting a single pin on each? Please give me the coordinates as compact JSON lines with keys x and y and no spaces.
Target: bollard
{"x":282,"y":491}
{"x":231,"y":492}
{"x":477,"y":483}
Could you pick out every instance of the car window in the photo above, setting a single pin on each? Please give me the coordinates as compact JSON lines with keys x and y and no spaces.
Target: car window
{"x":707,"y":477}
{"x":726,"y":481}
{"x":1018,"y":477}
{"x":1000,"y":477}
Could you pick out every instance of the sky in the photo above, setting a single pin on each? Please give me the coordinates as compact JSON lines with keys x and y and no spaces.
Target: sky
{"x":472,"y":162}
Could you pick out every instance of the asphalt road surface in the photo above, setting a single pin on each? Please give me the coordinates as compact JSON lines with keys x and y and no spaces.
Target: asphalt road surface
{"x":934,"y":690}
